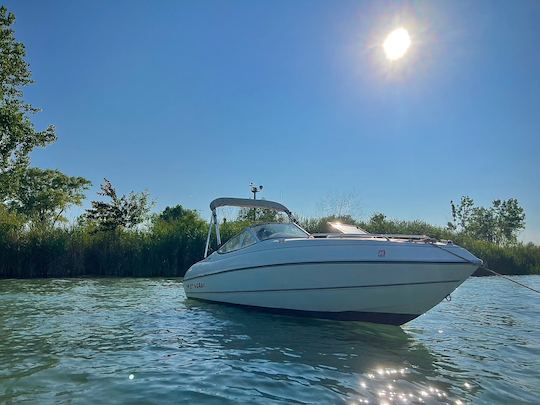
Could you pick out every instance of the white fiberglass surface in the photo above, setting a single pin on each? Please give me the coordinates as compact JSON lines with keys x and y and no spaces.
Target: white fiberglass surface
{"x":348,"y":229}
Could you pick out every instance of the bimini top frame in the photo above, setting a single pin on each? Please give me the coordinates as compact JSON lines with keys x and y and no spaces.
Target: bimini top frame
{"x":242,"y":203}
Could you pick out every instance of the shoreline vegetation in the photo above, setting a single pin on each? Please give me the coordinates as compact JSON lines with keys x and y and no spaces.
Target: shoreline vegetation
{"x":120,"y":237}
{"x":172,"y":241}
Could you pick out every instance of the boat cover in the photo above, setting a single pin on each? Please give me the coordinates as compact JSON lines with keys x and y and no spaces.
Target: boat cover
{"x":248,"y":203}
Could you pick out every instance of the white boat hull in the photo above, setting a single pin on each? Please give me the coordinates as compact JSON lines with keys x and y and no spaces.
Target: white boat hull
{"x":382,"y":292}
{"x":281,"y":268}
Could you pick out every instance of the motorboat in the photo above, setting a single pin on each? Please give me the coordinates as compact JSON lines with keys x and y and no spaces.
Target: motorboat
{"x":346,"y":275}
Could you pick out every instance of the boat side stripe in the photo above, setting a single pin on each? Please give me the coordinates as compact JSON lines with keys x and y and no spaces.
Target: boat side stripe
{"x":325,"y":288}
{"x":334,"y":262}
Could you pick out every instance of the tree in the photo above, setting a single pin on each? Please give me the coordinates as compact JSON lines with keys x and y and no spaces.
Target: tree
{"x":42,"y":196}
{"x":122,"y":212}
{"x":18,"y":137}
{"x":177,"y":218}
{"x":461,"y":213}
{"x":510,"y":218}
{"x":179,"y":222}
{"x":261,"y":215}
{"x":498,"y":224}
{"x":171,"y":214}
{"x":11,"y":224}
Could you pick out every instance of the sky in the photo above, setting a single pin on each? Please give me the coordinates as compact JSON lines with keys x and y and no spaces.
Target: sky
{"x":194,"y":100}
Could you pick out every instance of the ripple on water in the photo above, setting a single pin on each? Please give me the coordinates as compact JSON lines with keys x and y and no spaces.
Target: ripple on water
{"x":121,"y":340}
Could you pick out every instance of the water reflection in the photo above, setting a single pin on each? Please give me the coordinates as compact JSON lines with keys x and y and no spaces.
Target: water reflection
{"x":357,"y":361}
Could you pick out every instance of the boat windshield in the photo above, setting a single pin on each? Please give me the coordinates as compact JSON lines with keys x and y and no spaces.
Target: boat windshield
{"x":240,"y":241}
{"x":273,"y":231}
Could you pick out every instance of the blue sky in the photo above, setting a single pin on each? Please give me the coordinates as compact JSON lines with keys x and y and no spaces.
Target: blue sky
{"x":194,"y":100}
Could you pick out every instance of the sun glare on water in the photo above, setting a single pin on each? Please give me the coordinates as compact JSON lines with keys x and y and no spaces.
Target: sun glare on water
{"x":396,"y":44}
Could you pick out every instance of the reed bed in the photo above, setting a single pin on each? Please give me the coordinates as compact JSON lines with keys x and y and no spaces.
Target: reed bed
{"x":168,"y":248}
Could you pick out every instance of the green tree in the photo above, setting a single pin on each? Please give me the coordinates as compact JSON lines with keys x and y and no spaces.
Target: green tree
{"x":171,"y":214}
{"x":43,"y":196}
{"x":122,"y":212}
{"x":11,"y":223}
{"x":499,"y":224}
{"x":461,"y":213}
{"x":18,"y":136}
{"x":510,"y":219}
{"x":482,"y":224}
{"x":260,"y":215}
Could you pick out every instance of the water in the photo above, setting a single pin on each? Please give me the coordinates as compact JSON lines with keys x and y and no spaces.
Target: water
{"x":141,"y":341}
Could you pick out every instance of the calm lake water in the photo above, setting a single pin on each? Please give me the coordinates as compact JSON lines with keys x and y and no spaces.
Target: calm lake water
{"x":141,"y":341}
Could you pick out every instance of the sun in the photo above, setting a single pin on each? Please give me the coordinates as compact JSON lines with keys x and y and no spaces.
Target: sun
{"x":396,"y":44}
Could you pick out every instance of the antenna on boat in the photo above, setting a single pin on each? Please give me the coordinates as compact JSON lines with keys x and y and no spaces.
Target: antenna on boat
{"x":255,"y":189}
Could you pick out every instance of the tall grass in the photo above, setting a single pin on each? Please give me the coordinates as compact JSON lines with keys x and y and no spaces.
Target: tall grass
{"x":170,"y":247}
{"x":166,"y":248}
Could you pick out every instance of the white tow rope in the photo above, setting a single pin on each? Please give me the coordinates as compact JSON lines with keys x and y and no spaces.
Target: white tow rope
{"x":509,"y":279}
{"x":491,"y":271}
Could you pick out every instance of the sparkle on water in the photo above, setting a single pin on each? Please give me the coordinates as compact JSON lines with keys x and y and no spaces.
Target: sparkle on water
{"x":66,"y":341}
{"x":396,"y":44}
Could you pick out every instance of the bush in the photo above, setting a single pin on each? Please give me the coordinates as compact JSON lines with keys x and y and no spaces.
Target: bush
{"x":175,"y":240}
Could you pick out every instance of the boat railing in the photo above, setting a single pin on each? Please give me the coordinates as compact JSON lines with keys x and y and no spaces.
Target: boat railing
{"x":386,"y":236}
